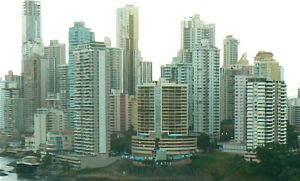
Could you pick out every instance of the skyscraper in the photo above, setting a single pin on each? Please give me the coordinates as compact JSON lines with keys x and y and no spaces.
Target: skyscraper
{"x":181,"y":73}
{"x":230,"y":51}
{"x":91,"y":88}
{"x":31,"y":21}
{"x":13,"y":110}
{"x":31,"y":30}
{"x":118,"y":112}
{"x":260,"y":104}
{"x":127,"y":38}
{"x":266,"y":112}
{"x":33,"y":65}
{"x":3,"y":97}
{"x":162,"y":120}
{"x":193,"y":31}
{"x":163,"y":98}
{"x":227,"y":92}
{"x":55,"y":54}
{"x":64,"y":89}
{"x":227,"y":84}
{"x":228,"y":71}
{"x":240,"y":108}
{"x":78,"y":34}
{"x":116,"y":60}
{"x":206,"y":63}
{"x":34,"y":85}
{"x":266,"y":66}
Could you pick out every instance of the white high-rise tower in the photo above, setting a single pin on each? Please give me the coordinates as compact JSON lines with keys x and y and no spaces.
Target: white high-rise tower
{"x":206,"y":63}
{"x":91,"y":75}
{"x":193,"y":31}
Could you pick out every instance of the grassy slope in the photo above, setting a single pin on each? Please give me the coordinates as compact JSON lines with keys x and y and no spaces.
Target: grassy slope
{"x":224,"y":166}
{"x":209,"y":166}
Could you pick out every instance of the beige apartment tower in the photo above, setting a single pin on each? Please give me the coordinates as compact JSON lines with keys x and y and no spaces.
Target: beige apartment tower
{"x":162,"y":120}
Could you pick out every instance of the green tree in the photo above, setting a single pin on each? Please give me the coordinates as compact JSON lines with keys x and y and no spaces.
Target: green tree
{"x":65,"y":166}
{"x":292,"y":136}
{"x":46,"y":160}
{"x":122,"y":142}
{"x":277,"y":162}
{"x":203,"y":142}
{"x":227,"y":130}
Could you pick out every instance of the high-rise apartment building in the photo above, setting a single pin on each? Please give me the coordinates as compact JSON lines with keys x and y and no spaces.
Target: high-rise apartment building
{"x":266,"y":112}
{"x":230,"y":51}
{"x":3,"y":97}
{"x":91,"y":101}
{"x":260,"y":109}
{"x":13,"y":104}
{"x":181,"y":73}
{"x":162,"y":120}
{"x":197,"y":64}
{"x":78,"y":34}
{"x":34,"y":87}
{"x":133,"y":112}
{"x":228,"y":72}
{"x":227,"y":84}
{"x":116,"y":60}
{"x":206,"y":63}
{"x":127,"y":38}
{"x":118,"y":112}
{"x":145,"y":72}
{"x":55,"y":54}
{"x":240,"y":108}
{"x":294,"y":112}
{"x":227,"y":91}
{"x":266,"y":66}
{"x":239,"y":96}
{"x":193,"y":31}
{"x":161,"y":99}
{"x":64,"y":89}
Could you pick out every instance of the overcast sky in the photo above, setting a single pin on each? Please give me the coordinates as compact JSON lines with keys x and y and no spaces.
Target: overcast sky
{"x":267,"y":25}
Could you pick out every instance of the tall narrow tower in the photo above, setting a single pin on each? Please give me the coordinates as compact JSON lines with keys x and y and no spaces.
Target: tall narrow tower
{"x":266,"y":112}
{"x":230,"y":51}
{"x":91,"y":136}
{"x":206,"y":62}
{"x":78,"y":34}
{"x":33,"y":66}
{"x":31,"y":21}
{"x":127,"y":39}
{"x":55,"y":54}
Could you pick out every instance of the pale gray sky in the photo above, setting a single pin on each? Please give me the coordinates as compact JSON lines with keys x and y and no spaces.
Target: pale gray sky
{"x":268,"y":25}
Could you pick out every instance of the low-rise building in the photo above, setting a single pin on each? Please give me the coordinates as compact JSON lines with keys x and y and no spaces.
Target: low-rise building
{"x":58,"y":140}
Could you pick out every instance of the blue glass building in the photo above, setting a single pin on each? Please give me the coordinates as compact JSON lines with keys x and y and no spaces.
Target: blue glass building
{"x":78,"y":34}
